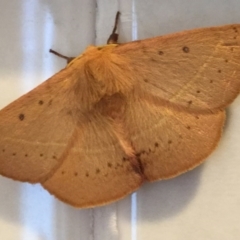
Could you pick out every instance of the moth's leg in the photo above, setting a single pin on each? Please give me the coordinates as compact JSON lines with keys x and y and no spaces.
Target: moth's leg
{"x":114,"y":36}
{"x":69,"y":59}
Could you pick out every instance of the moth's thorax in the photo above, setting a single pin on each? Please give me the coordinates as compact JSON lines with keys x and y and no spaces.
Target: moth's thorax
{"x":100,"y":72}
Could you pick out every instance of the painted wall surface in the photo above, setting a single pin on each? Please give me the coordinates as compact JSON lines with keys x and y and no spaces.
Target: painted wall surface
{"x":201,"y":204}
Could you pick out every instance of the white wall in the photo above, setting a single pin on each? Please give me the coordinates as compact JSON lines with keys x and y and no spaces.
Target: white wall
{"x":201,"y":204}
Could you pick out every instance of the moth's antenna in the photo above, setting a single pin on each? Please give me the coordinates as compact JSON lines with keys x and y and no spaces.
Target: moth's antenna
{"x":114,"y":36}
{"x":69,"y":59}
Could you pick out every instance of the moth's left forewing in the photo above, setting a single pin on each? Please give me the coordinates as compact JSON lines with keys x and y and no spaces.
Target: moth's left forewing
{"x":196,"y":70}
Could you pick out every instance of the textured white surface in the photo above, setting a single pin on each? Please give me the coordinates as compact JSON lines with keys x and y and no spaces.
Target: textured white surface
{"x":202,"y":204}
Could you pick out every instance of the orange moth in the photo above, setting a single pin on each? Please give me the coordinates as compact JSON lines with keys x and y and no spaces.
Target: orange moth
{"x":122,"y":114}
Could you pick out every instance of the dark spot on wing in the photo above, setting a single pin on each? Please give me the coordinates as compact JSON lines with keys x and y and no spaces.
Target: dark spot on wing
{"x":97,"y":170}
{"x":185,"y":49}
{"x":40,"y":102}
{"x":21,"y":117}
{"x":160,"y":52}
{"x":169,"y":141}
{"x":198,"y":91}
{"x":87,"y":174}
{"x":144,"y":49}
{"x":138,"y":155}
{"x":156,"y":144}
{"x":188,"y":127}
{"x":50,"y":102}
{"x":41,"y":155}
{"x":76,"y":173}
{"x":69,"y":112}
{"x":119,"y":165}
{"x":109,"y":165}
{"x":235,"y":29}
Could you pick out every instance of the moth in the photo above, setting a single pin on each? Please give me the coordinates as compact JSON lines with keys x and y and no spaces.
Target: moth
{"x":121,"y":114}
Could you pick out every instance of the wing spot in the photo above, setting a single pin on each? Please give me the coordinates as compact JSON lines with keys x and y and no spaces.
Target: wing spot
{"x":190,"y":102}
{"x":198,"y":91}
{"x":63,"y":172}
{"x":153,"y":60}
{"x":14,"y":154}
{"x":219,"y":71}
{"x":87,"y":174}
{"x":54,"y":157}
{"x":21,"y":117}
{"x":197,"y":117}
{"x":226,"y":60}
{"x":232,"y":49}
{"x":50,"y":102}
{"x":186,"y":49}
{"x":156,"y":144}
{"x":234,"y":37}
{"x":119,"y":165}
{"x":144,"y":50}
{"x":3,"y":150}
{"x":97,"y":170}
{"x":160,"y":52}
{"x":138,"y":155}
{"x":211,"y":81}
{"x":124,"y":159}
{"x":235,"y":29}
{"x":109,"y":165}
{"x":75,"y":174}
{"x":145,"y":80}
{"x":26,"y":155}
{"x":41,"y":155}
{"x":188,"y":127}
{"x":169,"y":141}
{"x":40,"y":102}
